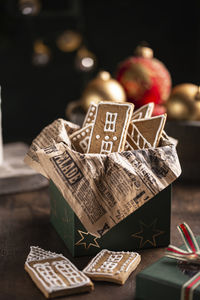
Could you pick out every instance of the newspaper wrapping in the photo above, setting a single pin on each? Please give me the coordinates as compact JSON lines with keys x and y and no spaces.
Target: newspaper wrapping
{"x":101,"y":189}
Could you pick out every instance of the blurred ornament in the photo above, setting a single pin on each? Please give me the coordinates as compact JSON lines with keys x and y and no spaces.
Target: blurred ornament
{"x":197,"y":99}
{"x":144,"y":78}
{"x":41,"y":53}
{"x":69,"y":41}
{"x":184,"y":102}
{"x":159,"y":110}
{"x":144,"y":51}
{"x":29,"y":7}
{"x":85,"y":60}
{"x":102,"y":87}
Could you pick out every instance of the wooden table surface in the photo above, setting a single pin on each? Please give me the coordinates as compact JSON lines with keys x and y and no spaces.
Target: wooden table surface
{"x":24,"y":221}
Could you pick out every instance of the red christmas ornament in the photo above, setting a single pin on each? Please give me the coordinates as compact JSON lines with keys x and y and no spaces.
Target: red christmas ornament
{"x":144,"y":78}
{"x":159,"y":110}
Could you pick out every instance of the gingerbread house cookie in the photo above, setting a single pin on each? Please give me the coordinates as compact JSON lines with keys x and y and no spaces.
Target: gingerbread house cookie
{"x":112,"y":266}
{"x":146,"y":133}
{"x":143,"y":112}
{"x":55,"y":275}
{"x":90,"y":116}
{"x":130,"y":144}
{"x":110,"y":127}
{"x":80,"y":138}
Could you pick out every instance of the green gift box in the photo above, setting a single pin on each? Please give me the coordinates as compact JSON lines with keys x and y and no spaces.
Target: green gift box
{"x":147,"y":227}
{"x":165,"y":280}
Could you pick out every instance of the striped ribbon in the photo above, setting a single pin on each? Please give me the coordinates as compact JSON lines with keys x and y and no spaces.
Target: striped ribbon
{"x":192,"y":255}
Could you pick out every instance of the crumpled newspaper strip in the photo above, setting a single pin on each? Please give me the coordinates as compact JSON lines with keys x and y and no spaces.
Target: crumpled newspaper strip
{"x":56,"y":132}
{"x":104,"y":189}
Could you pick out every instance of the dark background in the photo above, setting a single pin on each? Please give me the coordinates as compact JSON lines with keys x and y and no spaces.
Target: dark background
{"x":32,"y":97}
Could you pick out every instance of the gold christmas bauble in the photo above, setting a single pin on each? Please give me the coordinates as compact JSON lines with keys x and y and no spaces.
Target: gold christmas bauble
{"x":103,"y":87}
{"x":69,"y":41}
{"x":144,"y":51}
{"x":183,"y":103}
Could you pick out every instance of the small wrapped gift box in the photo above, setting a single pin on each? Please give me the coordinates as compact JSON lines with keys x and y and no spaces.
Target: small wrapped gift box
{"x":171,"y":278}
{"x":147,"y":227}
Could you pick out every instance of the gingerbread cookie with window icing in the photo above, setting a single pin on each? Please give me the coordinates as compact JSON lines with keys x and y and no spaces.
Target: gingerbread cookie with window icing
{"x":145,"y":133}
{"x":110,"y":127}
{"x":129,"y":144}
{"x":55,"y":275}
{"x":90,"y":116}
{"x":144,"y":111}
{"x":80,"y":138}
{"x":112,"y":266}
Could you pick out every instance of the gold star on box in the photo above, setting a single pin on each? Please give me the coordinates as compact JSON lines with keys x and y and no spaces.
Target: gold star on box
{"x":147,"y":233}
{"x":87,"y":240}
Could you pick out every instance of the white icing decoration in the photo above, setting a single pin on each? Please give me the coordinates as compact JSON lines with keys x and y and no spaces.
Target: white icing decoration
{"x":144,"y":112}
{"x":109,"y":266}
{"x":114,"y":138}
{"x":146,"y":143}
{"x":74,"y":277}
{"x":37,"y":253}
{"x":97,"y":136}
{"x":138,"y":116}
{"x":88,"y":119}
{"x":106,"y":147}
{"x":159,"y":129}
{"x":92,"y":109}
{"x":149,"y":110}
{"x":128,"y":117}
{"x":84,"y":143}
{"x":48,"y":277}
{"x":106,"y":137}
{"x":126,"y":146}
{"x":110,"y":121}
{"x":80,"y":134}
{"x":138,"y":138}
{"x":48,"y":274}
{"x":91,"y":114}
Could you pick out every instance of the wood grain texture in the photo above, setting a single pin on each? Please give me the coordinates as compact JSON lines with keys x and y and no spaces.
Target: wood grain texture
{"x":24,"y":221}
